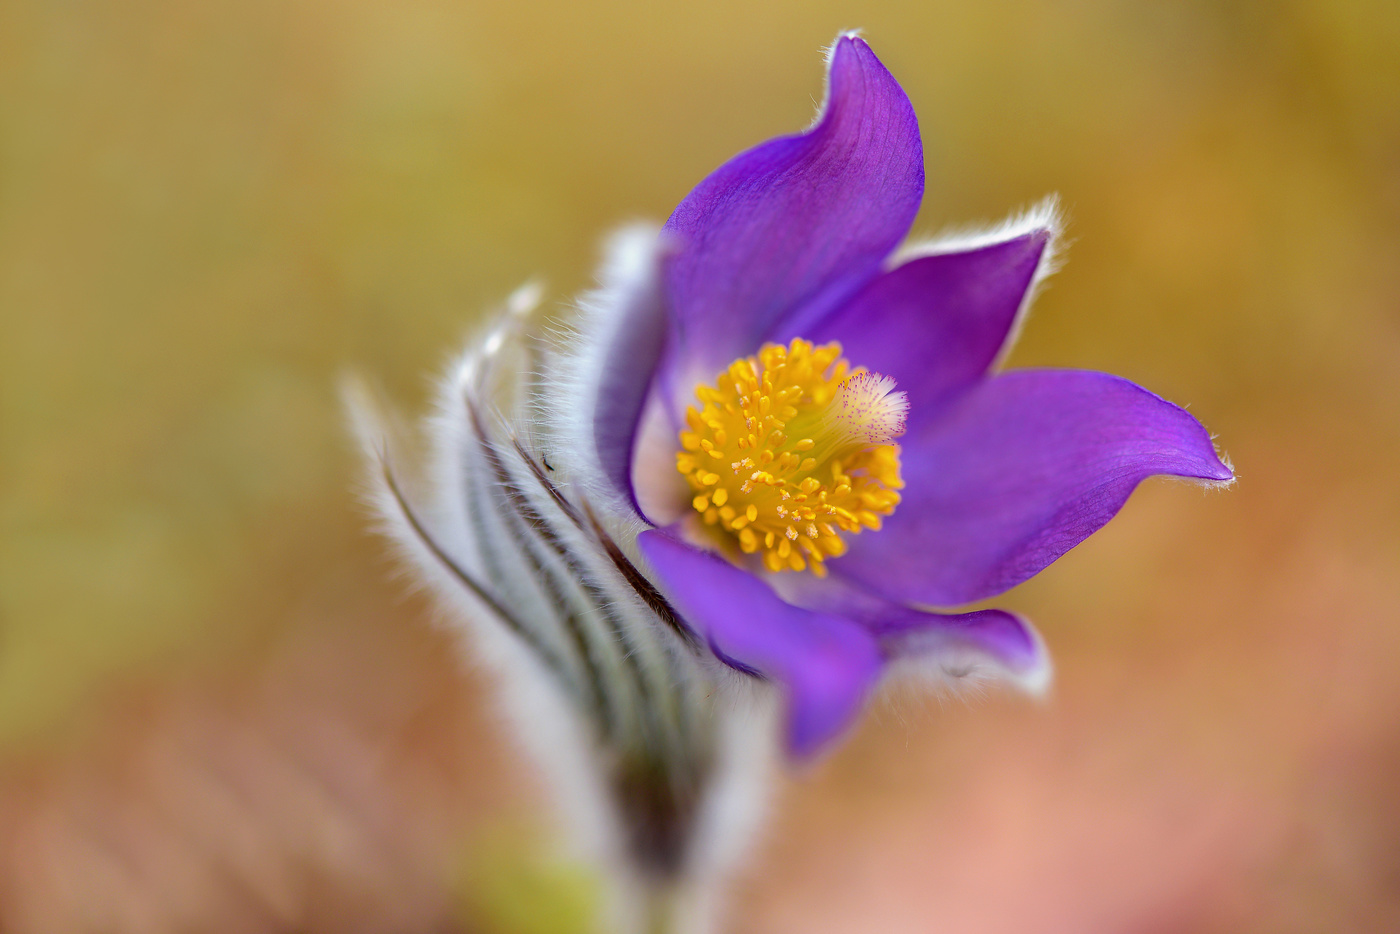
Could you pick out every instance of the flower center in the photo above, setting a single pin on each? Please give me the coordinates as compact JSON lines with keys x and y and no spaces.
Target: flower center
{"x":790,"y":449}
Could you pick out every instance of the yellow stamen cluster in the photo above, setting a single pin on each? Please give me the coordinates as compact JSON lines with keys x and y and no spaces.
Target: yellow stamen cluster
{"x":790,"y":449}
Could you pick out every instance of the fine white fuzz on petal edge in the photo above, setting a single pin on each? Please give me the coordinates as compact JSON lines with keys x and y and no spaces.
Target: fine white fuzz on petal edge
{"x":1046,"y":215}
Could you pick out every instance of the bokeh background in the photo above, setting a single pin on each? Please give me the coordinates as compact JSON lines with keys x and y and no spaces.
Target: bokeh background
{"x":220,"y":710}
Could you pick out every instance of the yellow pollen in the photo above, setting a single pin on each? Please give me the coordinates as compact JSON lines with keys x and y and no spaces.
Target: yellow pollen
{"x":791,"y":448}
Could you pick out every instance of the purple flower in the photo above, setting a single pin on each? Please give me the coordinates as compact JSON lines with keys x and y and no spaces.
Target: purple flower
{"x":762,"y":349}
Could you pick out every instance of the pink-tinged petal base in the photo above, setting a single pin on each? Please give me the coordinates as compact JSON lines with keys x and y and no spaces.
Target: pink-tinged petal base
{"x":1015,"y":473}
{"x":607,"y":378}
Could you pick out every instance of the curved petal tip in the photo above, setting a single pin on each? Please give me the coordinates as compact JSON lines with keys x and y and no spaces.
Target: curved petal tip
{"x":1017,"y":472}
{"x":797,"y":220}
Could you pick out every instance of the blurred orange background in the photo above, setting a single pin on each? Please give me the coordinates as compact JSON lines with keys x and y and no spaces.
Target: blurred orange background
{"x":221,"y":711}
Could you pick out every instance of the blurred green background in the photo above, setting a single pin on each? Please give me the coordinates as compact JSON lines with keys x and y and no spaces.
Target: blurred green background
{"x":210,"y":210}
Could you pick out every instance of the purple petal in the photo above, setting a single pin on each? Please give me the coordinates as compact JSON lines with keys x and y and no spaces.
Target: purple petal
{"x":779,"y":225}
{"x":963,"y":643}
{"x":827,"y":664}
{"x":1015,"y":473}
{"x":955,"y":643}
{"x":937,"y":322}
{"x":628,"y":314}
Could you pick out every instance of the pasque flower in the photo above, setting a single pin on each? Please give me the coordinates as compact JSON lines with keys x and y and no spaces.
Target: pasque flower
{"x":770,"y":449}
{"x":813,"y":431}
